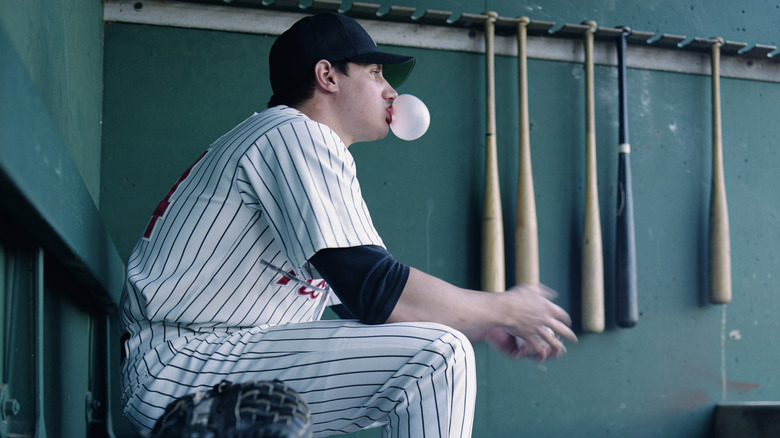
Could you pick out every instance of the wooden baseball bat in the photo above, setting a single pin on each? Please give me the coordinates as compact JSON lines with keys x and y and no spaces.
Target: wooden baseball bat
{"x":719,"y":240}
{"x":526,"y":231}
{"x":493,"y":270}
{"x":627,"y":308}
{"x":592,"y":254}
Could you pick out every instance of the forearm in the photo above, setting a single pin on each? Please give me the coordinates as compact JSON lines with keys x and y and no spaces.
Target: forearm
{"x":427,"y":298}
{"x":524,"y":311}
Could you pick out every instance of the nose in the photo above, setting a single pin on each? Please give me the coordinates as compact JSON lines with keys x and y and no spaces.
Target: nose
{"x":389,"y":93}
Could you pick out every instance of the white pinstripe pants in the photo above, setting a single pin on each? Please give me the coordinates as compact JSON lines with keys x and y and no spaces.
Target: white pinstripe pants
{"x":417,"y":378}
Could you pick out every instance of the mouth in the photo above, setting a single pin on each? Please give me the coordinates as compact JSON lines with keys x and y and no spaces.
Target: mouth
{"x":389,"y":118}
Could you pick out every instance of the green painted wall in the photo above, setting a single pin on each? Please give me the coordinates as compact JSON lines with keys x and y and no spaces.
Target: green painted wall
{"x":170,"y":92}
{"x":61,"y":45}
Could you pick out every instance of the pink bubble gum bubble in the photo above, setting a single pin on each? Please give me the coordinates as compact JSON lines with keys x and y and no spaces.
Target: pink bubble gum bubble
{"x":410,"y":117}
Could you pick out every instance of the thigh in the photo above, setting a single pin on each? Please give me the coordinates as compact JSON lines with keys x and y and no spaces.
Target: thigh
{"x":339,"y":367}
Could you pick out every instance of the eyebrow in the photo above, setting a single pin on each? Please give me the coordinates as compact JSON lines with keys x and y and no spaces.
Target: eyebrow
{"x":370,"y":64}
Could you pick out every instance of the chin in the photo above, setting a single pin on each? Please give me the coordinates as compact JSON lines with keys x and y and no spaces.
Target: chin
{"x":380,"y":135}
{"x":374,"y":134}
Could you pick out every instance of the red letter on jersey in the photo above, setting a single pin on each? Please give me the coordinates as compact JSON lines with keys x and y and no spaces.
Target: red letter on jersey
{"x":163,"y":205}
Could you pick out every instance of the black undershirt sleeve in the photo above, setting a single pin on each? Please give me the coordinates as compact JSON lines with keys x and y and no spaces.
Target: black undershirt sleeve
{"x":367,"y":280}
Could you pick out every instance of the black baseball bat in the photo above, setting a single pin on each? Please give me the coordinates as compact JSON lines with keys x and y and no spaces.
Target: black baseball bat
{"x":625,"y":254}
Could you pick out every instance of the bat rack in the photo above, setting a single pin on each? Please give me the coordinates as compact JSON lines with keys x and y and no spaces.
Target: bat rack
{"x":443,"y":30}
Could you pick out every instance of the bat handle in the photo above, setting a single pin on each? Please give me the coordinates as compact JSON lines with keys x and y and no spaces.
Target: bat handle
{"x":625,"y":257}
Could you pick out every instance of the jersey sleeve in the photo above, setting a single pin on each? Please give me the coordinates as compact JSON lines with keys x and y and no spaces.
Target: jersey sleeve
{"x":302,"y":177}
{"x":367,"y":279}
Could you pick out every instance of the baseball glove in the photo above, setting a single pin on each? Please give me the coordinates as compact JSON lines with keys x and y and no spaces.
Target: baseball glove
{"x":250,"y":410}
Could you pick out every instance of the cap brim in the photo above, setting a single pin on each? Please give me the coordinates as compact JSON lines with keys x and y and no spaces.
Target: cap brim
{"x":396,"y":74}
{"x":395,"y":68}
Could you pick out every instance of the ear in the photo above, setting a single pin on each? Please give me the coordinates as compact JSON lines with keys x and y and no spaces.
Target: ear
{"x":325,"y":76}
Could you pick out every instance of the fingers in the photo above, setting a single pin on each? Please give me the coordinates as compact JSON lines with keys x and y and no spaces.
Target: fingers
{"x":561,"y":315}
{"x":540,"y":289}
{"x":553,"y":341}
{"x":548,"y":291}
{"x":537,"y":348}
{"x":526,"y":349}
{"x":506,"y":343}
{"x":561,"y":321}
{"x":542,"y":324}
{"x":553,"y":331}
{"x":518,"y":348}
{"x":561,"y":326}
{"x":547,"y":338}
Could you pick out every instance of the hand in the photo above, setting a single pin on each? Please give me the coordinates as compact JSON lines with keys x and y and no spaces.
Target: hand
{"x":535,"y":320}
{"x":506,"y":343}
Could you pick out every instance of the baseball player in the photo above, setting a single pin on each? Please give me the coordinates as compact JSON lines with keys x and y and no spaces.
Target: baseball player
{"x":269,"y":226}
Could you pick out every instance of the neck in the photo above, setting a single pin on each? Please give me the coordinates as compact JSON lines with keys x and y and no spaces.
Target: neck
{"x":321,"y":111}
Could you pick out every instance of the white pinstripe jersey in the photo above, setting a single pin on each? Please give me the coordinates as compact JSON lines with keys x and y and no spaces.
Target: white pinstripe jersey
{"x":228,"y":247}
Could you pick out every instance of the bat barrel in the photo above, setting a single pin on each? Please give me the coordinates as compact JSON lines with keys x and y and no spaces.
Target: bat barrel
{"x":625,"y":255}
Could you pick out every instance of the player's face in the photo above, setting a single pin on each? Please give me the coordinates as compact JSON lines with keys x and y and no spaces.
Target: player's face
{"x":366,"y":99}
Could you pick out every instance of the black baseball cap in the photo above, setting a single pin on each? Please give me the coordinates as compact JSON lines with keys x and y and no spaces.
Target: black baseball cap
{"x":333,"y":37}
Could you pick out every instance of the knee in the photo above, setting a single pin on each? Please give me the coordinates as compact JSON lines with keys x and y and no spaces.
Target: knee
{"x":455,"y":347}
{"x":456,"y":354}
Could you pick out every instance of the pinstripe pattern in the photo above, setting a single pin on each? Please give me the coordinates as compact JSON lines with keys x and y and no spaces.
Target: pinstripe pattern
{"x":418,"y":378}
{"x":219,"y":287}
{"x":272,"y":191}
